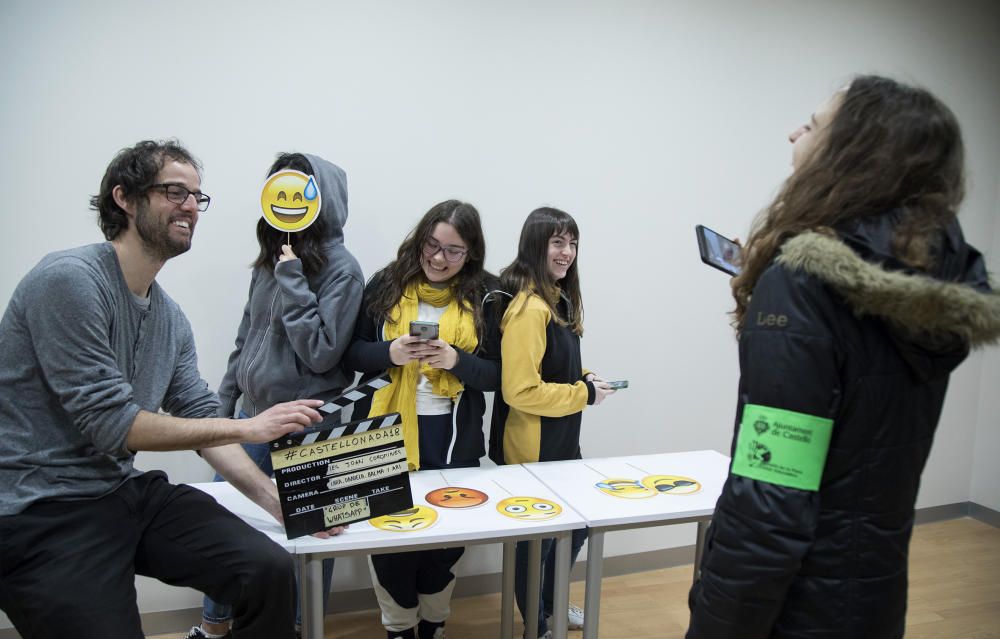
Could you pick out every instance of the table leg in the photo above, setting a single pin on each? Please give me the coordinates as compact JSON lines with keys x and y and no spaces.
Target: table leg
{"x":560,"y":594}
{"x":311,"y":596}
{"x":699,"y":547}
{"x":595,"y":572}
{"x":507,"y":591}
{"x":534,"y":589}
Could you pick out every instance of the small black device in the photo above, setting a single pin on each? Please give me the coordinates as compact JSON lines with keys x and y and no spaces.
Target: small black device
{"x":619,"y":384}
{"x":424,"y":330}
{"x":718,"y":251}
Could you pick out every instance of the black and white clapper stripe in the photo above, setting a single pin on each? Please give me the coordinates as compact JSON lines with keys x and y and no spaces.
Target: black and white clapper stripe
{"x":337,"y":415}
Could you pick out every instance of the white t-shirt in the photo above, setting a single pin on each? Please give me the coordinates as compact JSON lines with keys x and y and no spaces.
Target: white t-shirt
{"x":427,"y":402}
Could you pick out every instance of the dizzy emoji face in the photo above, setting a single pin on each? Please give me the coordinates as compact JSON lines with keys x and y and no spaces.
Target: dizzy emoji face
{"x":671,"y":484}
{"x":529,"y":508}
{"x":456,"y":497}
{"x":416,"y":518}
{"x":624,"y":488}
{"x":290,"y":200}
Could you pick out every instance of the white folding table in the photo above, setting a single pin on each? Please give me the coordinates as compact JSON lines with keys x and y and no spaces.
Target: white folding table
{"x":576,"y":484}
{"x":454,"y":527}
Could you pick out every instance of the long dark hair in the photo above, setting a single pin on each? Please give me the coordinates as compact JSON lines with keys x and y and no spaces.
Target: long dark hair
{"x":530,"y":269}
{"x":889,"y":146}
{"x":467,"y":285}
{"x":308,"y":243}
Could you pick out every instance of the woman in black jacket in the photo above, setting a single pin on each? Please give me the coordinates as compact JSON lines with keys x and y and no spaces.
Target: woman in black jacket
{"x":858,"y":297}
{"x":437,"y":386}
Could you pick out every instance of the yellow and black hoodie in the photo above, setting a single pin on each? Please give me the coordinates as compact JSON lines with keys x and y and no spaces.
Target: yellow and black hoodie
{"x":544,"y":393}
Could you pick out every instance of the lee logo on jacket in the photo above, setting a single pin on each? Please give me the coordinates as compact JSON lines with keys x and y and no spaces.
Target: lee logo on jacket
{"x":771,"y":319}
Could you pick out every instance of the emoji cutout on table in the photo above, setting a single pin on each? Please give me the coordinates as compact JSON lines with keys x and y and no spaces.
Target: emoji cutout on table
{"x":416,"y":518}
{"x":456,"y":497}
{"x":625,"y":488}
{"x":290,"y":200}
{"x":671,"y":484}
{"x":529,"y":508}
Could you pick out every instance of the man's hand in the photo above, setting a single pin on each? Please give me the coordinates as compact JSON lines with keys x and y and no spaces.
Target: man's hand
{"x":329,"y":532}
{"x":281,"y":419}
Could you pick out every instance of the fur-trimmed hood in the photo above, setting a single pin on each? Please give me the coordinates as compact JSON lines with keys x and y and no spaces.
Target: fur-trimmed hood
{"x":930,"y":311}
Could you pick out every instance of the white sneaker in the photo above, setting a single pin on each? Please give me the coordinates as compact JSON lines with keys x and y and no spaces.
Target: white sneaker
{"x":575,"y":618}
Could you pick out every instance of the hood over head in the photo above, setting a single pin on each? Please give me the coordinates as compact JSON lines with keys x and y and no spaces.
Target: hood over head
{"x":332,"y":182}
{"x":934,"y":318}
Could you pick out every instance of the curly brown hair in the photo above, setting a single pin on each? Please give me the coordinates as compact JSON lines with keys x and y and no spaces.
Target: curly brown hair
{"x":888,"y":147}
{"x":468,"y":284}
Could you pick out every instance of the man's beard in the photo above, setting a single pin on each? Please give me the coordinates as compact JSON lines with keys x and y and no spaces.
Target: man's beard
{"x":155,"y":234}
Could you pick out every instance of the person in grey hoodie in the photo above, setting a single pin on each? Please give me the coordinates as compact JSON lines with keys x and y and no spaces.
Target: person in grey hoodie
{"x":96,"y":363}
{"x":298,"y":321}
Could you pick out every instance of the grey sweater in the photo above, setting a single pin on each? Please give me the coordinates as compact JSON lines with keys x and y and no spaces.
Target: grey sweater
{"x":79,"y":357}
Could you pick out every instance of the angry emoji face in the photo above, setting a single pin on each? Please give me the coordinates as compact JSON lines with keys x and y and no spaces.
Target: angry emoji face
{"x":456,"y":497}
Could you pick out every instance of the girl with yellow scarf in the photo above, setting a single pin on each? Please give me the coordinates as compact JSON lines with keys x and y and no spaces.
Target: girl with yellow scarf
{"x":437,"y":386}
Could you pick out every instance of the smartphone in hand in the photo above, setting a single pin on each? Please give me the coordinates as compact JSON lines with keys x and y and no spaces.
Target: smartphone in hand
{"x":618,"y":385}
{"x":424,"y":330}
{"x":718,"y":251}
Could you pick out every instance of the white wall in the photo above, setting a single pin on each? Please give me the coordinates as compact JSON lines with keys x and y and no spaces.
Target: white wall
{"x":642,"y":119}
{"x":986,"y":470}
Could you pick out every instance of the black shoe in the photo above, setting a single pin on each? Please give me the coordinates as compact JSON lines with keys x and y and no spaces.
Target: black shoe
{"x":430,"y":630}
{"x":401,"y":634}
{"x":197,"y":633}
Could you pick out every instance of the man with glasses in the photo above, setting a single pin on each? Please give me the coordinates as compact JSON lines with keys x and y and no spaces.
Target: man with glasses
{"x":91,"y":350}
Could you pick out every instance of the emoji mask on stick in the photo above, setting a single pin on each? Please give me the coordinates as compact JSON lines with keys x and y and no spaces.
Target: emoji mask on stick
{"x":290,"y":200}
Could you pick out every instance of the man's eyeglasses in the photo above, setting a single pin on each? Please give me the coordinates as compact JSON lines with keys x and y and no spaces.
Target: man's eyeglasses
{"x":451,"y":254}
{"x":179,"y":195}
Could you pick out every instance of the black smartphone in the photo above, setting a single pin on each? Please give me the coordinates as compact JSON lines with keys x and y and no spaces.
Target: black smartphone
{"x":619,"y":384}
{"x":424,"y":330}
{"x":717,"y":250}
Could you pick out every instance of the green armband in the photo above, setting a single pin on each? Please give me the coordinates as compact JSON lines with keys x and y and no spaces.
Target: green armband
{"x":782,"y":447}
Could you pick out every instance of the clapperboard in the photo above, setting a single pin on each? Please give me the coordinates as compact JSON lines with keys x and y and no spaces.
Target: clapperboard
{"x":342,"y":470}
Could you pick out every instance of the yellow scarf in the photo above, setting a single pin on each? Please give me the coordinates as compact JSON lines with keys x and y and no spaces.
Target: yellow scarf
{"x":457,"y":327}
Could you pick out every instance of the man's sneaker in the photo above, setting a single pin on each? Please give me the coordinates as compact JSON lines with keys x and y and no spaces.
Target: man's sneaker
{"x":575,"y":620}
{"x":197,"y":633}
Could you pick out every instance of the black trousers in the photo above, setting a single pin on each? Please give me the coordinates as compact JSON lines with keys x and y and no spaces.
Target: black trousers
{"x":69,"y":567}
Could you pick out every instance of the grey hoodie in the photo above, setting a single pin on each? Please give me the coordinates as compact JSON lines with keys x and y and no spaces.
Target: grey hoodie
{"x":295,"y":329}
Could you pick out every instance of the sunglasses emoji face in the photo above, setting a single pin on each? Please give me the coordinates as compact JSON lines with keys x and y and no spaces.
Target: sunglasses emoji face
{"x":671,"y":484}
{"x":456,"y":497}
{"x":416,"y":518}
{"x":529,"y":508}
{"x":624,"y":488}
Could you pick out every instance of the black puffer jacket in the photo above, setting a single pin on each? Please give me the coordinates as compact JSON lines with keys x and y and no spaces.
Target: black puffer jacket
{"x":839,"y":330}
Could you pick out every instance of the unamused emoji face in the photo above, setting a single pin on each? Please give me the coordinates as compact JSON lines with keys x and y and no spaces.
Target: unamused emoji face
{"x":529,"y":508}
{"x":416,"y":518}
{"x":290,"y":200}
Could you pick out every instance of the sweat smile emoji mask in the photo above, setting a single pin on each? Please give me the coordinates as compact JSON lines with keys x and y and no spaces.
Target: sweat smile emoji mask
{"x":290,"y":200}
